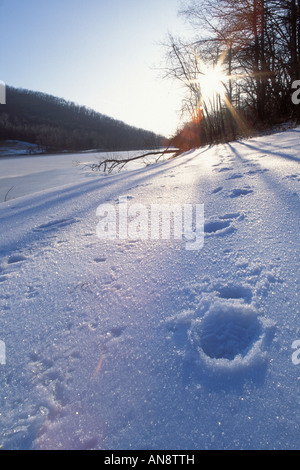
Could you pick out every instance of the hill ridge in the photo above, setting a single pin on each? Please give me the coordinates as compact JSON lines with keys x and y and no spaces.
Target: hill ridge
{"x":54,"y":123}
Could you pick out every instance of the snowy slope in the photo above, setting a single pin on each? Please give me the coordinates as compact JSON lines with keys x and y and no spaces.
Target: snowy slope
{"x":142,"y":344}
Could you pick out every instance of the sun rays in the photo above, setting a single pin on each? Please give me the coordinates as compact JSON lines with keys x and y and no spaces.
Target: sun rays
{"x":212,"y":83}
{"x":214,"y":86}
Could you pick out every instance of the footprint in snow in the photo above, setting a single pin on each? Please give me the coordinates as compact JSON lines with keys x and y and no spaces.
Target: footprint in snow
{"x":226,"y":331}
{"x":233,"y":215}
{"x":255,"y":172}
{"x":234,"y":291}
{"x":216,"y":227}
{"x":115,"y":332}
{"x":222,"y":225}
{"x":223,"y":334}
{"x":100,"y":259}
{"x":235,"y":176}
{"x":16,"y":259}
{"x":217,"y":190}
{"x":11,"y":264}
{"x":237,"y":192}
{"x":225,"y":168}
{"x":293,"y":177}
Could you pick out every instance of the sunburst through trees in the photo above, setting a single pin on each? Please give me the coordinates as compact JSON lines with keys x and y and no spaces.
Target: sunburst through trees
{"x":237,"y":70}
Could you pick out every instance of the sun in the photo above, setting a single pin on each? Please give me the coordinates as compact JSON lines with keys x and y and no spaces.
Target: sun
{"x":212,"y":83}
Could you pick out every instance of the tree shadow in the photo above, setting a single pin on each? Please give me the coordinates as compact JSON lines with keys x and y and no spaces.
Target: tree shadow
{"x":269,"y":152}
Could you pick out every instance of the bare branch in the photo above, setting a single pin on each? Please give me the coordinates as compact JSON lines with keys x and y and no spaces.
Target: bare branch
{"x":6,"y":195}
{"x":109,"y":164}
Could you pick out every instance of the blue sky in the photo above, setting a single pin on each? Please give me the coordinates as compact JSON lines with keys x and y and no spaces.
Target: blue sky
{"x":98,"y":53}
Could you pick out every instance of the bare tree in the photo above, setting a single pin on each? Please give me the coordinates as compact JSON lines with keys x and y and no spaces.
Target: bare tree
{"x":258,"y":44}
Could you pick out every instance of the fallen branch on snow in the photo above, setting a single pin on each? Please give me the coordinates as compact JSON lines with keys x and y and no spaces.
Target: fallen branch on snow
{"x":109,"y":164}
{"x":6,"y":195}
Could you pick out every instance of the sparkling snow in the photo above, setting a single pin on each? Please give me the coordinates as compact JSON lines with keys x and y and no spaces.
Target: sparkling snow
{"x":142,"y":344}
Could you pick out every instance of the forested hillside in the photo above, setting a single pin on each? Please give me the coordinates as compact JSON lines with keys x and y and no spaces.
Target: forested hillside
{"x":56,"y":124}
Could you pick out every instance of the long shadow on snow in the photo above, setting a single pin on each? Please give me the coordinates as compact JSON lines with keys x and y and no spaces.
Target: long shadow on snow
{"x":119,"y":184}
{"x":277,"y":189}
{"x":270,"y":152}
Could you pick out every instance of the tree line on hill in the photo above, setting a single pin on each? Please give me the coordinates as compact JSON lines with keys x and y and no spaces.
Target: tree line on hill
{"x":256,"y":45}
{"x":55,"y":124}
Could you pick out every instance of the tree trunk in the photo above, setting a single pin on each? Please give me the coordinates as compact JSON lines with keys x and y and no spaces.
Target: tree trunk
{"x":259,"y":55}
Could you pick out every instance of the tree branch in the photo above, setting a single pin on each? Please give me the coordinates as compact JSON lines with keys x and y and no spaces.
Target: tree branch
{"x":109,"y":164}
{"x":6,"y":195}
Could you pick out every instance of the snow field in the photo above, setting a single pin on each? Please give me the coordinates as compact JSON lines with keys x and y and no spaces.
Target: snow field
{"x":141,"y":344}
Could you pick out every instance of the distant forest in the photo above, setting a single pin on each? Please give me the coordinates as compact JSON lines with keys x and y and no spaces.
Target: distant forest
{"x":55,"y":124}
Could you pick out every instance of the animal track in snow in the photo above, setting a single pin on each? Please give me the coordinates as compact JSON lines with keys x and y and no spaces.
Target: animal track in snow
{"x":123,"y":199}
{"x":32,"y":291}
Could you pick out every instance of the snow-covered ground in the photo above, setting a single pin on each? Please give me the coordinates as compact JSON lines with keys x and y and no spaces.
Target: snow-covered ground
{"x":22,"y":175}
{"x":135,"y":344}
